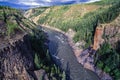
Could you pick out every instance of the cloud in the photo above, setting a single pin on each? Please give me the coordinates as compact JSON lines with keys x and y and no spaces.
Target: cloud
{"x":29,"y":3}
{"x":34,"y":2}
{"x":48,"y":0}
{"x":92,"y":1}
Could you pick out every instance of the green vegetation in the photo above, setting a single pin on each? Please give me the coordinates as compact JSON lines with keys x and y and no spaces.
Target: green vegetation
{"x":11,"y":27}
{"x":6,"y":15}
{"x":37,"y":11}
{"x":106,"y":2}
{"x":50,"y":15}
{"x":88,"y":23}
{"x":108,"y":59}
{"x":13,"y":21}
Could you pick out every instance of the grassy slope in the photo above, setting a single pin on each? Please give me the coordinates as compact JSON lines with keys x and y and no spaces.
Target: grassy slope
{"x":66,"y":13}
{"x":14,"y":21}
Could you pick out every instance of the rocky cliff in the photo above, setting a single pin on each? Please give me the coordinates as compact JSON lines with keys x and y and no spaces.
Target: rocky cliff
{"x":16,"y":49}
{"x":109,"y":32}
{"x":16,"y":61}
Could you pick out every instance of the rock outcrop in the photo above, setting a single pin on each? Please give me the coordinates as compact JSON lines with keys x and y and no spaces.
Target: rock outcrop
{"x":112,"y":34}
{"x":106,"y":33}
{"x":98,"y":37}
{"x":16,"y":60}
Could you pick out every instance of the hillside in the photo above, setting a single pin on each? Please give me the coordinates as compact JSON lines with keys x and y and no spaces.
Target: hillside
{"x":78,"y":17}
{"x":95,"y":24}
{"x":12,"y":22}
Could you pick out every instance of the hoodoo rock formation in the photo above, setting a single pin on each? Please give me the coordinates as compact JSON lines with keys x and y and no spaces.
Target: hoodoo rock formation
{"x":98,"y":37}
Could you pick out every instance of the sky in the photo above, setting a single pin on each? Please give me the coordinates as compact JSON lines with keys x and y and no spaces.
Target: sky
{"x":25,"y":4}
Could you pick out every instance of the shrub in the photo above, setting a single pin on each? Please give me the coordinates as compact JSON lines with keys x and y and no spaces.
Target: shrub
{"x":108,"y":60}
{"x":11,"y":28}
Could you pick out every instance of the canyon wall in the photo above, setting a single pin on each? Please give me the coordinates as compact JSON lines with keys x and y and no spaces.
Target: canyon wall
{"x":106,"y":33}
{"x":16,"y":60}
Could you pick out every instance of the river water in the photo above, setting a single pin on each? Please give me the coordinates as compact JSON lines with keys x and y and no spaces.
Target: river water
{"x":64,"y":57}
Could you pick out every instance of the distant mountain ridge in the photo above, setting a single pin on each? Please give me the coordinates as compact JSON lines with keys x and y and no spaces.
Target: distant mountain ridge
{"x":18,"y":6}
